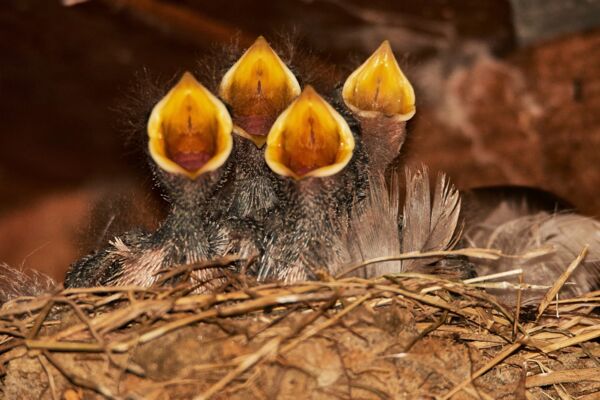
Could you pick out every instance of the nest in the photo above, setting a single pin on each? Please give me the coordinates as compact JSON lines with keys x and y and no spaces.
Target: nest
{"x":402,"y":336}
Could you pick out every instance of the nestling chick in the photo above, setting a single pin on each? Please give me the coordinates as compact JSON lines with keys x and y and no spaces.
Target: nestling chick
{"x":322,"y":191}
{"x":383,"y":100}
{"x":257,"y":88}
{"x":310,"y":147}
{"x":189,"y":142}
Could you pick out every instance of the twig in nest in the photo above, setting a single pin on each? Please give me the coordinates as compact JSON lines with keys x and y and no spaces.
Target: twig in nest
{"x":46,"y":368}
{"x":558,"y":284}
{"x":474,"y":252}
{"x":518,"y":308}
{"x":487,"y":254}
{"x":489,"y":299}
{"x":172,"y":272}
{"x":39,"y":321}
{"x":584,"y":337}
{"x":483,"y":278}
{"x":316,"y":329}
{"x":565,"y":376}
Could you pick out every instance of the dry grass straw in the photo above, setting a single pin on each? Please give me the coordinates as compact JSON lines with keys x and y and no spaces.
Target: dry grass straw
{"x":117,"y":320}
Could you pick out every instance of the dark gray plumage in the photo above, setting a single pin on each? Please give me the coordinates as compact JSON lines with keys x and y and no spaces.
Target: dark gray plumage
{"x":254,"y":192}
{"x":306,"y":237}
{"x":194,"y":231}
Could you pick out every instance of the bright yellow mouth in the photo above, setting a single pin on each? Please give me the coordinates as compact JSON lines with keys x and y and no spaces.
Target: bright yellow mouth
{"x":189,"y":130}
{"x":309,"y":139}
{"x":258,"y":87}
{"x":379,"y":85}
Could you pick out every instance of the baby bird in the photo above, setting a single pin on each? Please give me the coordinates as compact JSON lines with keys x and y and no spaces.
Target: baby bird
{"x":310,"y":147}
{"x":257,"y":88}
{"x":383,"y":100}
{"x":189,"y":143}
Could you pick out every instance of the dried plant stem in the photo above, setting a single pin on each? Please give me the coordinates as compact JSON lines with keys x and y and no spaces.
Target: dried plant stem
{"x":487,"y":254}
{"x":558,"y":284}
{"x":565,"y":376}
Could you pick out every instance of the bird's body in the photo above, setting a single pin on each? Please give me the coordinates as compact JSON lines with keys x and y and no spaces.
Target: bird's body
{"x":193,"y":232}
{"x":254,"y":193}
{"x":319,"y":192}
{"x":307,"y":233}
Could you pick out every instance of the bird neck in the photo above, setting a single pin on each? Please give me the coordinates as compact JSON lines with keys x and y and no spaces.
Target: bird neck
{"x":191,"y":201}
{"x":254,"y":192}
{"x":186,"y":233}
{"x":314,"y":198}
{"x":250,"y":158}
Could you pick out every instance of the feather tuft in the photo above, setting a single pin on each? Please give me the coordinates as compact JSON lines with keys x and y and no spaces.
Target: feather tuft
{"x":15,"y":282}
{"x":427,"y":226}
{"x":566,"y":233}
{"x":378,"y":229}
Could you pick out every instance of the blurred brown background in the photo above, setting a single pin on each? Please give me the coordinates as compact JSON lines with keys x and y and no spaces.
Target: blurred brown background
{"x":508,"y":93}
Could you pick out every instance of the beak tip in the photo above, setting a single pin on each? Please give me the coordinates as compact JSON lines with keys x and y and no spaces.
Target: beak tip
{"x":261,"y":40}
{"x":188,"y":78}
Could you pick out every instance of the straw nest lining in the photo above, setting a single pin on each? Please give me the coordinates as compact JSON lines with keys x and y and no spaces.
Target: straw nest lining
{"x":402,"y":336}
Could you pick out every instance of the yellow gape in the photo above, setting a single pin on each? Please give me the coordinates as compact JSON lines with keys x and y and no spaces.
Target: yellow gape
{"x":258,"y":87}
{"x":379,"y":85}
{"x":189,"y":130}
{"x":309,"y":139}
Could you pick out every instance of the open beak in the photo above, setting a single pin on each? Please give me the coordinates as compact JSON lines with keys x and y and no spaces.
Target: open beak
{"x":309,"y":139}
{"x":189,"y":130}
{"x":258,"y":87}
{"x":378,"y":86}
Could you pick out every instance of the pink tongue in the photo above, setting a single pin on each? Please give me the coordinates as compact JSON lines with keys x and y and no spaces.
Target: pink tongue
{"x":191,"y":161}
{"x":256,"y":125}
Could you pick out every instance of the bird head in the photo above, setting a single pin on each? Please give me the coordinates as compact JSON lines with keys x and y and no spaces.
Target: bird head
{"x":382,"y":99}
{"x":258,"y":87}
{"x":310,"y":139}
{"x":379,"y":87}
{"x":189,"y":138}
